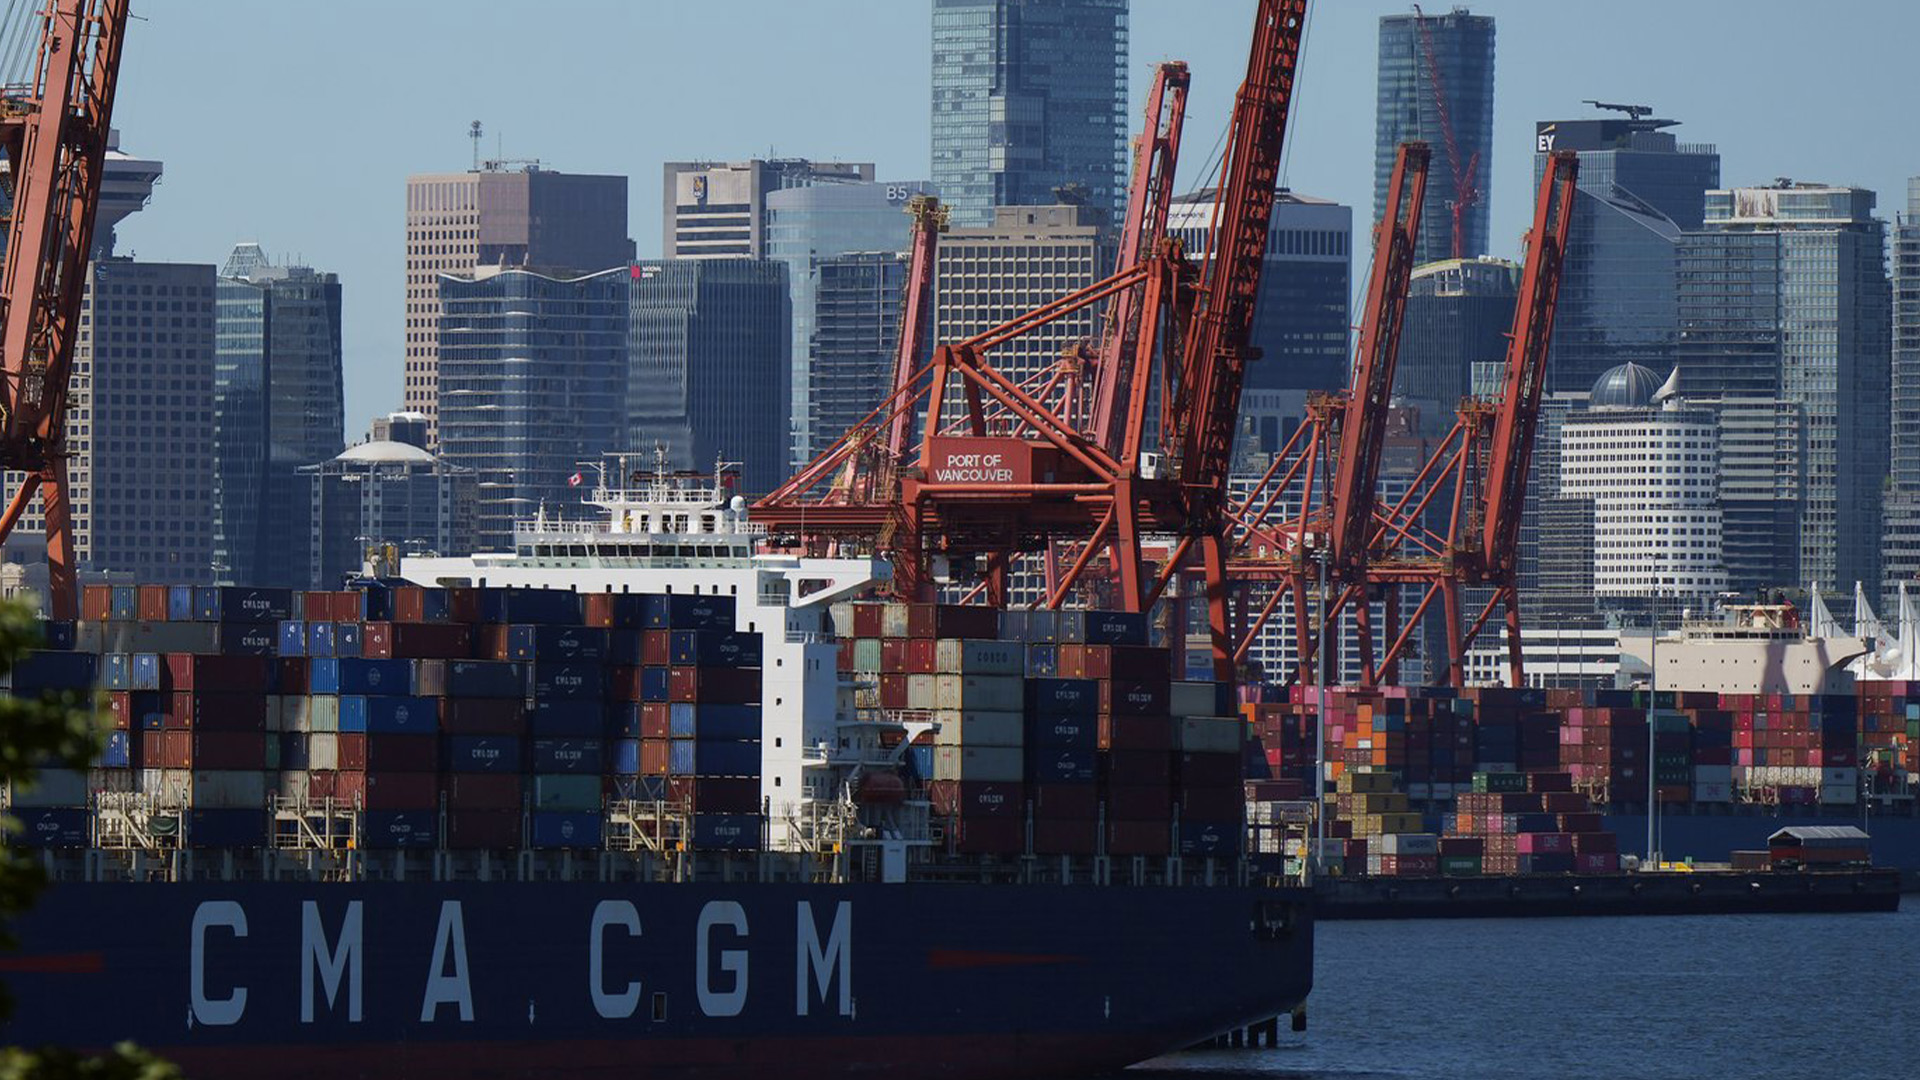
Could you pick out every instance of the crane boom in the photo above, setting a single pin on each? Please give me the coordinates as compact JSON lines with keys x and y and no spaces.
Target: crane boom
{"x":929,"y":221}
{"x":55,"y":139}
{"x":1207,"y":399}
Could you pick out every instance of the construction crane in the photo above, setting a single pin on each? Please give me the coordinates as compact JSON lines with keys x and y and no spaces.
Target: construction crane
{"x":1466,"y":190}
{"x":1006,"y":468}
{"x":54,"y":131}
{"x":1634,"y":112}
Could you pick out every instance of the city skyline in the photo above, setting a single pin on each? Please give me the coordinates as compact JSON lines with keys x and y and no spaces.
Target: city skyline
{"x":305,"y":205}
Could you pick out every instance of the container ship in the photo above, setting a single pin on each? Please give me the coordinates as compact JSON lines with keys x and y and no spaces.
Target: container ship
{"x":638,"y":796}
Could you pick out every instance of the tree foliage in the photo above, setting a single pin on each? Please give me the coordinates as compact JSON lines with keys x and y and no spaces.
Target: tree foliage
{"x":54,"y":731}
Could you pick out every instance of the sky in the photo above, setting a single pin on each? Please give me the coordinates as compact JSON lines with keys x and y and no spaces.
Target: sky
{"x":295,"y":125}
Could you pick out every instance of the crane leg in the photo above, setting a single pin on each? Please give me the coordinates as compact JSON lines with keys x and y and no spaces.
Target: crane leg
{"x":1513,"y":638}
{"x":22,"y":498}
{"x":63,"y":570}
{"x":1456,"y":649}
{"x":1213,"y":559}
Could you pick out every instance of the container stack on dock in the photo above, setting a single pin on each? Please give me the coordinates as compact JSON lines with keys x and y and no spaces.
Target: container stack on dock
{"x":454,"y":718}
{"x":1058,"y":733}
{"x":1526,"y":823}
{"x":1383,"y":836}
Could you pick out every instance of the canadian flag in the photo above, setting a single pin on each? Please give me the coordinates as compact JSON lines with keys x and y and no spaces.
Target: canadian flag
{"x":576,"y":480}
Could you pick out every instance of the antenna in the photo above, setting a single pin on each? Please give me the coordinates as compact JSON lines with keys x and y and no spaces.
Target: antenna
{"x":473,"y":132}
{"x":1634,"y":112}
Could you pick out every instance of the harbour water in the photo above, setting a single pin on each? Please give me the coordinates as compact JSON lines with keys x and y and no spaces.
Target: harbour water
{"x":1754,"y":997}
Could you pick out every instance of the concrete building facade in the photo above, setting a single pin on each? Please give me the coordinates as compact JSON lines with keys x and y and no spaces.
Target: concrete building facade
{"x":718,"y":209}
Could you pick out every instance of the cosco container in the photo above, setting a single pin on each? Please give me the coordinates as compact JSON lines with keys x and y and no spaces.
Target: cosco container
{"x":1075,"y":697}
{"x":54,"y":827}
{"x":566,"y":719}
{"x":1061,"y":765}
{"x":389,"y":715}
{"x":988,"y":693}
{"x":556,"y":830}
{"x":974,"y":727}
{"x":975,"y":657}
{"x":387,"y":830}
{"x":977,"y":799}
{"x":547,"y":606}
{"x":482,"y":754}
{"x":726,"y":832}
{"x":714,"y":648}
{"x":331,"y":675}
{"x":567,"y":756}
{"x":484,"y":679}
{"x":554,"y":643}
{"x":232,"y":604}
{"x":677,"y":611}
{"x":1063,"y":731}
{"x":44,"y":670}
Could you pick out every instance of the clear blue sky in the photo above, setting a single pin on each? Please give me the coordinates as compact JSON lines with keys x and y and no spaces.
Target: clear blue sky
{"x":296,"y":124}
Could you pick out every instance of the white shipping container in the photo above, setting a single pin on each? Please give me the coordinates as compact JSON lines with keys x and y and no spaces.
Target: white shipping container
{"x":296,"y":713}
{"x":842,"y":616}
{"x":1211,"y":734}
{"x":53,"y":787}
{"x":920,"y":692}
{"x":1840,"y":778}
{"x":957,"y":656}
{"x":229,"y":789}
{"x":994,"y":764}
{"x":1409,"y":844}
{"x":323,"y":751}
{"x":290,"y":784}
{"x":1192,"y":699}
{"x":866,"y":654}
{"x":979,"y":728}
{"x":115,"y":780}
{"x":893,"y":620}
{"x":1712,"y":774}
{"x":171,"y":787}
{"x":1839,"y":795}
{"x":323,"y":713}
{"x":986,"y":693}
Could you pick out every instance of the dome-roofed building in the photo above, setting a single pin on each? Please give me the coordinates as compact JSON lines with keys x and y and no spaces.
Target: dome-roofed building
{"x":1629,"y":386}
{"x":386,"y":492}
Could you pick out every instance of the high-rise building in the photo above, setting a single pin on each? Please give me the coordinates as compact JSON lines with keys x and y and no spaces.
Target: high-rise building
{"x":1029,"y":256}
{"x":1300,"y":318}
{"x":807,"y":226}
{"x":497,"y":217}
{"x":709,"y":376}
{"x":140,"y":422}
{"x":126,"y":183}
{"x":1029,"y":96}
{"x":1901,"y":546}
{"x":1639,"y":189}
{"x":1763,"y":474}
{"x":385,"y":492}
{"x":533,"y":377}
{"x":1410,"y":104}
{"x":277,"y":407}
{"x":859,"y":301}
{"x":1647,"y":463}
{"x":1783,"y":295}
{"x":1459,"y":313}
{"x":718,"y":209}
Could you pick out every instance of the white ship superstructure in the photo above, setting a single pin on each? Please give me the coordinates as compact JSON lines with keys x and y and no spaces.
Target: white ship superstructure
{"x":664,"y":532}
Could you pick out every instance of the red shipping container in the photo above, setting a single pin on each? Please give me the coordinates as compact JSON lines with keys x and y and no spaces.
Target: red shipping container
{"x":1134,"y":802}
{"x":316,"y":606}
{"x":1139,"y":838}
{"x":1596,"y":862}
{"x":164,"y":750}
{"x":1065,"y":836}
{"x":96,"y":602}
{"x":1121,"y":732}
{"x":1201,"y":770}
{"x":978,"y":799}
{"x":482,"y":716}
{"x":843,"y":655}
{"x":402,"y":791}
{"x":1126,"y":767}
{"x":479,"y":791}
{"x":472,"y":830}
{"x":1462,"y":845}
{"x":656,"y":719}
{"x":120,"y":705}
{"x":401,"y":753}
{"x":432,"y":641}
{"x":1149,"y":661}
{"x":409,"y":603}
{"x":290,"y":675}
{"x":654,"y":757}
{"x":683,"y":684}
{"x":893,"y":656}
{"x":725,"y":686}
{"x":463,"y":605}
{"x":921,"y":656}
{"x":656,"y":648}
{"x":353,"y":752}
{"x":990,"y":836}
{"x":1589,"y":822}
{"x":376,"y":640}
{"x":1068,"y":801}
{"x":893,"y":691}
{"x":1596,"y":843}
{"x":152,"y":601}
{"x":596,"y":609}
{"x":349,"y":786}
{"x":867,"y":619}
{"x":215,"y":674}
{"x":952,"y":621}
{"x":228,"y":749}
{"x":218,"y":712}
{"x":719,"y":794}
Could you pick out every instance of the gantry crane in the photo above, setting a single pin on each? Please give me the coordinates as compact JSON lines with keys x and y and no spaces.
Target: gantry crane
{"x":54,"y":132}
{"x":1004,"y":468}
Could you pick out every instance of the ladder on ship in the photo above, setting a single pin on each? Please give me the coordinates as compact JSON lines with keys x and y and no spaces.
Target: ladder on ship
{"x":650,"y":825}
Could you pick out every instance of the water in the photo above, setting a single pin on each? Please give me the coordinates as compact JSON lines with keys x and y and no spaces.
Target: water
{"x":1754,"y":997}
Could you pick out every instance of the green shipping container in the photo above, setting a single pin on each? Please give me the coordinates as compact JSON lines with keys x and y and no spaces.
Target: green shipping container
{"x":1459,"y":866}
{"x":577,"y":793}
{"x":1499,"y":782}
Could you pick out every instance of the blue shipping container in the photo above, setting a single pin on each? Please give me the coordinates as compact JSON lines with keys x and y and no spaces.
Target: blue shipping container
{"x":47,"y":669}
{"x":292,"y":639}
{"x":1072,"y":697}
{"x":623,"y":647}
{"x":574,"y":680}
{"x":557,"y":642}
{"x":397,"y":715}
{"x":568,"y":719}
{"x":1063,"y":732}
{"x":1219,"y":839}
{"x":549,"y":606}
{"x":226,"y":828}
{"x":715,"y":648}
{"x":328,"y":675}
{"x":483,"y":753}
{"x":180,"y":603}
{"x":653,"y":684}
{"x":1116,"y":628}
{"x":320,"y":639}
{"x":125,"y":602}
{"x":626,"y":756}
{"x":118,"y":753}
{"x":295,"y":751}
{"x":623,"y":720}
{"x":234,"y":603}
{"x":679,"y":611}
{"x":726,"y":832}
{"x":58,"y":634}
{"x":146,"y":672}
{"x":1043,"y":661}
{"x":555,"y":829}
{"x":567,"y":757}
{"x":1059,"y":765}
{"x":346,"y":639}
{"x":486,"y":679}
{"x":248,"y":639}
{"x":724,"y":758}
{"x":387,"y":830}
{"x":54,"y":826}
{"x":709,"y":721}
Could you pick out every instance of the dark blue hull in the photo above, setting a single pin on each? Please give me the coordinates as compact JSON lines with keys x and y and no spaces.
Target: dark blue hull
{"x":563,"y":979}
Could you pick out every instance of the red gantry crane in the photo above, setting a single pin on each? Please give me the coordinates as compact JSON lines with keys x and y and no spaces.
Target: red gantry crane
{"x":1063,"y":466}
{"x":54,"y":131}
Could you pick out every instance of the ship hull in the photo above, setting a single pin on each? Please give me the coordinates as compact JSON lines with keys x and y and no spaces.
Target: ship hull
{"x":560,"y":979}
